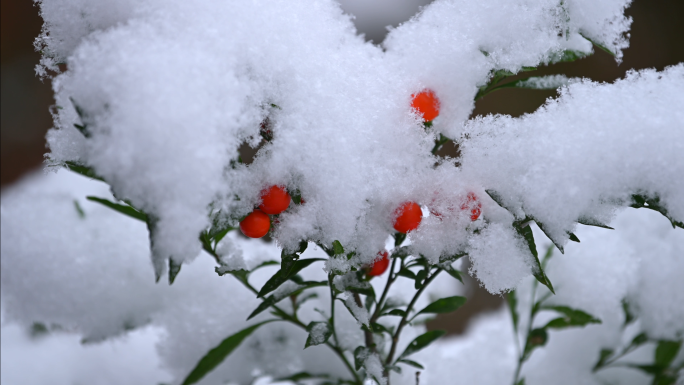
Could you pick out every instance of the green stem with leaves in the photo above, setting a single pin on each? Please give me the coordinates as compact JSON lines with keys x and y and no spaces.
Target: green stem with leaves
{"x":404,"y":318}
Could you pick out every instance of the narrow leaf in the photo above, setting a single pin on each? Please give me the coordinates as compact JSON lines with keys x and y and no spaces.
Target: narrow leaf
{"x":573,"y":237}
{"x":174,"y":269}
{"x":666,"y":351}
{"x":216,"y":355}
{"x":524,"y":230}
{"x":421,"y":342}
{"x":83,"y":170}
{"x":444,"y":305}
{"x":124,"y":209}
{"x":406,"y":273}
{"x":536,"y":338}
{"x":319,"y":333}
{"x":513,"y":305}
{"x":599,"y":46}
{"x":453,"y":272}
{"x":411,"y":363}
{"x":396,"y":312}
{"x":603,"y":357}
{"x":265,"y":304}
{"x":360,"y":355}
{"x":287,"y":270}
{"x":592,"y":222}
{"x":572,"y":317}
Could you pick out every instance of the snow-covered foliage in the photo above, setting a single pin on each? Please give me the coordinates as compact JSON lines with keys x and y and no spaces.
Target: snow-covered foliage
{"x":158,"y":96}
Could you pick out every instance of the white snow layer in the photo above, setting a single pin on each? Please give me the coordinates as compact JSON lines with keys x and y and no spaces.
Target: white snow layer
{"x":170,"y":90}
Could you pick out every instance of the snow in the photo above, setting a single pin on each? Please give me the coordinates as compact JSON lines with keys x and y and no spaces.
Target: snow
{"x":169,"y":90}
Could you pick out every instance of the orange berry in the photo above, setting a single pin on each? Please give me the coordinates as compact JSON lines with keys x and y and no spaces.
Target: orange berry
{"x":473,"y":205}
{"x":256,"y":224}
{"x":380,"y":265}
{"x":427,"y":104}
{"x":407,"y":217}
{"x":274,"y":200}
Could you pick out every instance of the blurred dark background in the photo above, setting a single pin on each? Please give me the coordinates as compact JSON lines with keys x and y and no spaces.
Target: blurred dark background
{"x":657,"y":41}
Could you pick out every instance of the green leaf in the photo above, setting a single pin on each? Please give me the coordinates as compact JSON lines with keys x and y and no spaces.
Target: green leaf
{"x":555,"y":241}
{"x":537,"y":338}
{"x":288,"y":269}
{"x":666,"y":351}
{"x":653,"y":203}
{"x":412,"y":363}
{"x":421,"y":342}
{"x":79,"y":210}
{"x":406,"y":273}
{"x":83,"y":128}
{"x":216,"y":355}
{"x":513,"y":305}
{"x":592,"y":222}
{"x":649,"y":369}
{"x":443,"y":305}
{"x":83,"y":170}
{"x":420,"y":277}
{"x":453,"y":272}
{"x":319,"y":333}
{"x":599,"y":46}
{"x":439,"y":142}
{"x":629,"y":316}
{"x":337,"y":248}
{"x":568,"y":56}
{"x":603,"y":357}
{"x":302,"y":246}
{"x":521,"y":381}
{"x":380,"y":328}
{"x":174,"y":269}
{"x":264,"y":264}
{"x":524,"y":230}
{"x":573,"y":237}
{"x":638,"y":340}
{"x":123,"y":209}
{"x":306,"y":297}
{"x":265,"y":304}
{"x":300,"y":376}
{"x":360,"y":355}
{"x":572,"y":317}
{"x":496,"y":197}
{"x":399,"y":239}
{"x":396,"y":312}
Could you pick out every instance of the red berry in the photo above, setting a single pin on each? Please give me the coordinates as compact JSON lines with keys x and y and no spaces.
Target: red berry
{"x":380,"y":265}
{"x":427,"y":104}
{"x":256,"y":224}
{"x":274,"y":200}
{"x":473,"y":205}
{"x":407,"y":217}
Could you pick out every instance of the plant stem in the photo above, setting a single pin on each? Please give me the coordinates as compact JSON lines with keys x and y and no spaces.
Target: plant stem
{"x":294,"y":320}
{"x":390,"y":279}
{"x":522,"y":356}
{"x":332,"y":308}
{"x":403,"y":322}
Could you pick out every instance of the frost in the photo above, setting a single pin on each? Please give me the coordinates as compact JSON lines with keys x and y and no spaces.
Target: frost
{"x":374,"y":368}
{"x":285,"y":290}
{"x":319,"y":333}
{"x":546,"y":82}
{"x":342,"y":282}
{"x":360,"y":313}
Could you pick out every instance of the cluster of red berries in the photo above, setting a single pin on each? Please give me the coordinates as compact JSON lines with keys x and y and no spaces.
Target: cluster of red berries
{"x":274,"y":200}
{"x":407,"y":217}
